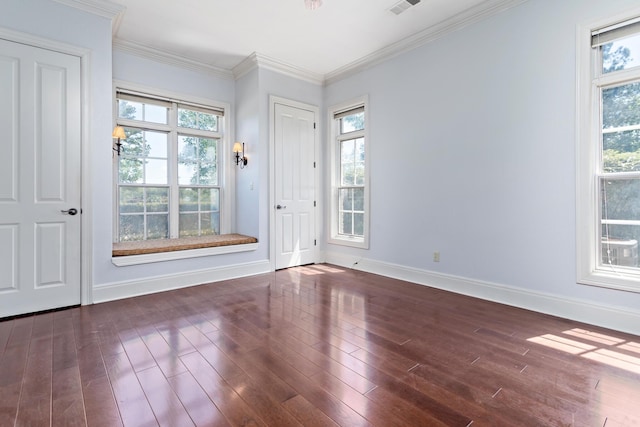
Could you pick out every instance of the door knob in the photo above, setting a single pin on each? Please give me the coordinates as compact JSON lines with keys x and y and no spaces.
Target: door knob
{"x":280,"y":207}
{"x":71,"y":211}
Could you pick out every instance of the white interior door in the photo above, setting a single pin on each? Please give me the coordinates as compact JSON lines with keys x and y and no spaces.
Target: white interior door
{"x":39,"y":179}
{"x":295,"y":186}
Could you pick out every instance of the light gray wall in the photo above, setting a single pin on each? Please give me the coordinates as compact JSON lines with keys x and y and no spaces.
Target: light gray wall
{"x":249,"y":179}
{"x":472,"y":151}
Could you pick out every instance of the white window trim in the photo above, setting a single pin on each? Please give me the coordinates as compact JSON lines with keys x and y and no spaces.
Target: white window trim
{"x":334,"y":164}
{"x":588,"y":126}
{"x":227,"y":184}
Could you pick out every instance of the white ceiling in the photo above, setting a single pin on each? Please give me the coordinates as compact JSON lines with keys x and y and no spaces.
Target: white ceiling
{"x":340,"y":35}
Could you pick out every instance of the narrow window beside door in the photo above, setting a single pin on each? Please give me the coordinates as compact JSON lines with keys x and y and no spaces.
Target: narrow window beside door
{"x":349,"y":204}
{"x":610,"y":160}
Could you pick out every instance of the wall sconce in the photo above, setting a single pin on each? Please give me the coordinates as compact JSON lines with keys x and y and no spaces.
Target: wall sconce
{"x":241,"y":159}
{"x":118,"y":132}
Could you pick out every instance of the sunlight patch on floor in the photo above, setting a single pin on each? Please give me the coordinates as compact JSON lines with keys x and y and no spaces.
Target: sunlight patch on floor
{"x":608,"y":351}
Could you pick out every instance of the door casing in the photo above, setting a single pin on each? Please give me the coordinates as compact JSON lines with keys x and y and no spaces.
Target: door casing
{"x":86,"y":231}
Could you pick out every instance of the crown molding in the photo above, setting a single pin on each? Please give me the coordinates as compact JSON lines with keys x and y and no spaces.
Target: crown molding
{"x":257,"y":60}
{"x":169,"y":58}
{"x":470,"y":16}
{"x":103,"y":8}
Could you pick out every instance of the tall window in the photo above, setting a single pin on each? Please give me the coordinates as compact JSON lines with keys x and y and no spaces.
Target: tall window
{"x":614,"y":157}
{"x":169,"y":168}
{"x":349,"y":207}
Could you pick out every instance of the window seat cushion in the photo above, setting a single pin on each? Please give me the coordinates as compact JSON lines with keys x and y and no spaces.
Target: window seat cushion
{"x":181,"y":244}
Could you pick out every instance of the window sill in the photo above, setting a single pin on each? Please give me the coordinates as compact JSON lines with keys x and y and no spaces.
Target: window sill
{"x":354,"y":242}
{"x":133,"y":253}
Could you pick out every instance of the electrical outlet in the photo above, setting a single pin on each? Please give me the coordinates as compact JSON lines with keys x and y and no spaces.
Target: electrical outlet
{"x":436,"y":256}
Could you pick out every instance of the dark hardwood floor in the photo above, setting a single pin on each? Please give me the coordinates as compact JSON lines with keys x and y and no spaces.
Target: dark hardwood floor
{"x":314,"y":346}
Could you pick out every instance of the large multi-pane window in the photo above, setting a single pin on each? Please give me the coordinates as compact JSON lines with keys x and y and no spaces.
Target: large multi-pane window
{"x":349,"y":212}
{"x":168,"y":169}
{"x":615,"y":158}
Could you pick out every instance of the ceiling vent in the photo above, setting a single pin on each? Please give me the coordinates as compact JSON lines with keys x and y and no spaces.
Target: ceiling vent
{"x":403,"y":5}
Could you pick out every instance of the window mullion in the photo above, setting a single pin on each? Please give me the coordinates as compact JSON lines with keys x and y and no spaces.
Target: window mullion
{"x":174,"y":191}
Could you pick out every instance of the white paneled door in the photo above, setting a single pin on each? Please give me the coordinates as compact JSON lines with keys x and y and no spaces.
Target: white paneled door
{"x":295,"y":186}
{"x":39,"y":179}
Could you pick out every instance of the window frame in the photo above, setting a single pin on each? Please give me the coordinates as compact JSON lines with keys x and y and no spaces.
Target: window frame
{"x":225,"y":177}
{"x":590,"y":82}
{"x":335,"y":140}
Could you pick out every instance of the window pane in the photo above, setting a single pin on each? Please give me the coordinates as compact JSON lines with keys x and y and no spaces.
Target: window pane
{"x":129,"y":110}
{"x":358,"y":224}
{"x":131,"y":228}
{"x":134,"y":145}
{"x":215,"y":222}
{"x":131,"y":199}
{"x":352,"y":122}
{"x":347,"y":165}
{"x":620,"y":199}
{"x":156,"y":144}
{"x":155,"y":114}
{"x":197,"y":161}
{"x":157,"y":199}
{"x":130,"y":171}
{"x":188,"y":199}
{"x":346,"y":223}
{"x":143,"y":112}
{"x":208,"y":171}
{"x":197,"y":120}
{"x":157,"y":226}
{"x":359,"y":150}
{"x":621,"y":151}
{"x":358,"y":199}
{"x":209,"y":224}
{"x":619,"y":245}
{"x":188,"y":225}
{"x":621,"y":128}
{"x":156,"y":171}
{"x":621,"y":106}
{"x":209,"y":199}
{"x":621,"y":54}
{"x":346,"y":199}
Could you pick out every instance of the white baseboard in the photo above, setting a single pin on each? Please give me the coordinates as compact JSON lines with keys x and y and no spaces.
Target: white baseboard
{"x":619,"y":319}
{"x":120,"y":290}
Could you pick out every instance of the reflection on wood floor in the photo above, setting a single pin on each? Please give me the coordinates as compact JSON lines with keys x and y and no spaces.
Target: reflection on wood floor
{"x":313,"y":346}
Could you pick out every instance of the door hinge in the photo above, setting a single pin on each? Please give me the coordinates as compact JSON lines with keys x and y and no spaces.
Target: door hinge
{"x":314,"y":242}
{"x":314,"y":165}
{"x":314,"y":203}
{"x":314,"y":125}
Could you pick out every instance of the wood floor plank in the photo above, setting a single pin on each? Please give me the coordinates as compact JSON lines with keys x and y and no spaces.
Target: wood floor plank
{"x":100,"y":405}
{"x":331,"y":406}
{"x":317,"y":345}
{"x":200,"y":408}
{"x":166,"y":406}
{"x":130,"y":398}
{"x":378,"y":414}
{"x":34,"y":407}
{"x":5,"y":332}
{"x":164,"y":356}
{"x":306,"y":413}
{"x":67,"y":407}
{"x":234,"y":408}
